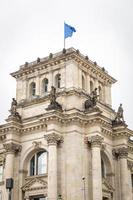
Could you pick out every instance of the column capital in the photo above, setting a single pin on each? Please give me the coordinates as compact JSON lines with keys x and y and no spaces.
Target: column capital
{"x":121,"y":152}
{"x":12,"y":147}
{"x":96,"y":140}
{"x":53,"y":138}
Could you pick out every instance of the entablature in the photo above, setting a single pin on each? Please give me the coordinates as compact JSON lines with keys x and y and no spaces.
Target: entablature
{"x":58,"y":59}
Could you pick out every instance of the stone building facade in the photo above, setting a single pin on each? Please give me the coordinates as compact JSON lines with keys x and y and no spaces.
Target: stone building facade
{"x":60,"y":144}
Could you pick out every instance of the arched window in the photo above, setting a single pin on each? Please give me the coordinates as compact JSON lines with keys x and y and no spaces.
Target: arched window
{"x":58,"y":81}
{"x":100,"y":93}
{"x":38,"y":163}
{"x":32,"y":89}
{"x":45,"y":85}
{"x":83,"y":82}
{"x":102,"y":168}
{"x":91,"y":86}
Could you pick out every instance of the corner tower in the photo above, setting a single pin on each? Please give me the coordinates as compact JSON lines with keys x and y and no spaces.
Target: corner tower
{"x":62,"y":139}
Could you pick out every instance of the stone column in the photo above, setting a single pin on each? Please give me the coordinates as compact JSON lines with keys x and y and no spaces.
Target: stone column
{"x":11,"y":148}
{"x":130,"y":171}
{"x":121,"y":154}
{"x":52,"y":140}
{"x":96,"y":142}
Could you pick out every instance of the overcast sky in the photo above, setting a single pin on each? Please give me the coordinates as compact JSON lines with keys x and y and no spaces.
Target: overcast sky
{"x":34,"y":28}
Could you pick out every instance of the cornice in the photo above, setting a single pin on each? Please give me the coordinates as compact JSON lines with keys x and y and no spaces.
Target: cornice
{"x":122,"y":131}
{"x":40,"y":122}
{"x":58,"y":58}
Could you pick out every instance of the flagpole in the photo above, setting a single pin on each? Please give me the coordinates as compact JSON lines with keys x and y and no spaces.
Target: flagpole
{"x":64,"y":35}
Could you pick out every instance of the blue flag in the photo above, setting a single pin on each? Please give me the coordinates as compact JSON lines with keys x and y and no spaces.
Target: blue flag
{"x":68,"y":30}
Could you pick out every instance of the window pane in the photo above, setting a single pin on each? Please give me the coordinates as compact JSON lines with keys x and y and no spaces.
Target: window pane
{"x":41,"y":163}
{"x":1,"y":172}
{"x":32,"y":166}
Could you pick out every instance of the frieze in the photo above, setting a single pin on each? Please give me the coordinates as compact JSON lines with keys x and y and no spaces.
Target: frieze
{"x":12,"y":147}
{"x":53,"y":138}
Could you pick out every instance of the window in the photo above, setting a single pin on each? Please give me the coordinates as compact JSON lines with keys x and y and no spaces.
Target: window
{"x":32,"y":89}
{"x":45,"y":85}
{"x":102,"y":169}
{"x":83,"y":82}
{"x":1,"y":173}
{"x":58,"y":81}
{"x":132,"y":179}
{"x":38,"y":163}
{"x":100,"y":93}
{"x":40,"y":198}
{"x":91,"y":86}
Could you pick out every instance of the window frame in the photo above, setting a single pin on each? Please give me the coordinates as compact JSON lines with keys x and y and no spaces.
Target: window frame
{"x":35,"y":166}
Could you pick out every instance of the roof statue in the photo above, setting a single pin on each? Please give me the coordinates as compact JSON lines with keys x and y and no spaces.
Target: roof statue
{"x":13,"y":110}
{"x":54,"y":105}
{"x":119,"y":118}
{"x":90,"y":103}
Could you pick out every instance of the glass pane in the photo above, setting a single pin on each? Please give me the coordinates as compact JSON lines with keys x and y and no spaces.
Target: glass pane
{"x":41,"y":163}
{"x":32,"y":166}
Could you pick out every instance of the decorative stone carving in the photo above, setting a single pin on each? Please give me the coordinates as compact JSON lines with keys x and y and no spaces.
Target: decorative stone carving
{"x":120,"y":152}
{"x":96,"y":141}
{"x":119,"y":118}
{"x":53,"y":138}
{"x":12,"y":147}
{"x":36,"y":144}
{"x":13,"y":110}
{"x":29,"y":186}
{"x":54,"y":105}
{"x":90,"y":103}
{"x":130,"y":165}
{"x":2,"y":160}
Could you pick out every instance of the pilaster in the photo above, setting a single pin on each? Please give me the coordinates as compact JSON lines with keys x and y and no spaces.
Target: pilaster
{"x":121,"y":154}
{"x":96,"y":143}
{"x":52,"y":139}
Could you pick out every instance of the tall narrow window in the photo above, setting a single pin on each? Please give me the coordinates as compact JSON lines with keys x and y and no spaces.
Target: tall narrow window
{"x":102,"y":169}
{"x":83,"y":82}
{"x":91,"y":86}
{"x":58,"y":81}
{"x":1,"y":173}
{"x":32,"y":89}
{"x":100,"y":93}
{"x":132,"y":179}
{"x":38,"y":163}
{"x":45,"y":85}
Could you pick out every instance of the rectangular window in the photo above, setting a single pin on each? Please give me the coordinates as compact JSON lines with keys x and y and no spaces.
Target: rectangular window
{"x":132,"y":179}
{"x":1,"y":173}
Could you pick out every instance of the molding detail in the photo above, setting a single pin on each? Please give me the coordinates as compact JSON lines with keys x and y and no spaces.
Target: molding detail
{"x":12,"y":147}
{"x":130,"y":165}
{"x":96,"y":141}
{"x":36,"y":144}
{"x":53,"y":138}
{"x":120,"y":152}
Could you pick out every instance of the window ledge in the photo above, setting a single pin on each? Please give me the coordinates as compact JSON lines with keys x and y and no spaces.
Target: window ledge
{"x":36,"y":176}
